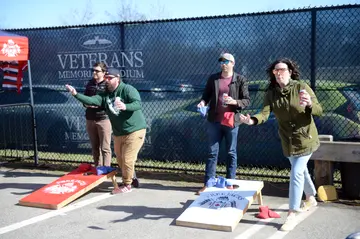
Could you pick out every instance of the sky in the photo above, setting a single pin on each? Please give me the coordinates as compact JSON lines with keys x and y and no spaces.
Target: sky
{"x":17,"y":14}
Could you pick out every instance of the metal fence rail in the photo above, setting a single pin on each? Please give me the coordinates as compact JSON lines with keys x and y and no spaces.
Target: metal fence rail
{"x":17,"y":132}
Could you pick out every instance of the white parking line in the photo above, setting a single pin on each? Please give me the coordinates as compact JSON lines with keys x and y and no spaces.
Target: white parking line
{"x":259,"y":225}
{"x":301,"y":217}
{"x":51,"y":214}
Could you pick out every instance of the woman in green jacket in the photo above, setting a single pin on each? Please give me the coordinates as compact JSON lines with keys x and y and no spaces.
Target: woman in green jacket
{"x":293,"y":104}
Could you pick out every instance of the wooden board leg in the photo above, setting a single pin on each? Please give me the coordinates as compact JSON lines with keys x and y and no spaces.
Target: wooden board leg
{"x":113,"y":179}
{"x":323,"y":173}
{"x":259,"y":198}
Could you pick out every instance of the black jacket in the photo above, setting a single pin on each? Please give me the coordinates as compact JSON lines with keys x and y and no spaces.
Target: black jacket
{"x":238,"y":90}
{"x":93,"y":88}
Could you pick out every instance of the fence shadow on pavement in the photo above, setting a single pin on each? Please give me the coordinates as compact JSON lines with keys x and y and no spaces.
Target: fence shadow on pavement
{"x":156,"y":186}
{"x":30,"y":187}
{"x":144,"y":212}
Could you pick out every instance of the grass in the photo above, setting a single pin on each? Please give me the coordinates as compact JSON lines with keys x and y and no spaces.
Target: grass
{"x":148,"y":164}
{"x":190,"y":171}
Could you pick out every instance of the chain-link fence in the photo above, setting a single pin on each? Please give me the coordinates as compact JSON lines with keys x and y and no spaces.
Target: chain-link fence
{"x":169,"y":62}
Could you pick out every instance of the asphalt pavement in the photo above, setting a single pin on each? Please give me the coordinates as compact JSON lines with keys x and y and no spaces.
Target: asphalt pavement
{"x":150,"y":212}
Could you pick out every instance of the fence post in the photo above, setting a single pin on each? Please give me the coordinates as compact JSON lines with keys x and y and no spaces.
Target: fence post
{"x":122,"y":36}
{"x":313,"y":50}
{"x":36,"y":157}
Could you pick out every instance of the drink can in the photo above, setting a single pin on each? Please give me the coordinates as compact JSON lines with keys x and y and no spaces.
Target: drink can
{"x":116,"y":99}
{"x":224,"y":96}
{"x":301,"y":92}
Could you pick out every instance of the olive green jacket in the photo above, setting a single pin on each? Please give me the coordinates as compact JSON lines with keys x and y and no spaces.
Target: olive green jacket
{"x":297,"y":129}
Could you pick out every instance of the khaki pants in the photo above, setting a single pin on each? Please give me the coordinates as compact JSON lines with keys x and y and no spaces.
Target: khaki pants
{"x":99,"y":132}
{"x":126,"y":149}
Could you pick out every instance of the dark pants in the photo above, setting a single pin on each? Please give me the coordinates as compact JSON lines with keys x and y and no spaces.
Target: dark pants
{"x":216,"y":132}
{"x":99,"y":132}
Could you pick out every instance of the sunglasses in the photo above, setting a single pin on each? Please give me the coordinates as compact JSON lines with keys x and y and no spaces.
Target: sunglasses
{"x":110,"y":77}
{"x":280,"y":70}
{"x":224,"y":62}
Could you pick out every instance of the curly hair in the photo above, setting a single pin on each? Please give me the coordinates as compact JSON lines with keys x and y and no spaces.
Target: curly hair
{"x":292,"y":66}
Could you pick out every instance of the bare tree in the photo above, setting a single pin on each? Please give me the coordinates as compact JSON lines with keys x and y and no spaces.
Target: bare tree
{"x":78,"y":17}
{"x":126,"y":11}
{"x":158,"y":11}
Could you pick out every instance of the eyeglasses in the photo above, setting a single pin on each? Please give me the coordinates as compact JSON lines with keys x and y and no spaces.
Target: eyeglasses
{"x":224,"y":62}
{"x":280,"y":70}
{"x":110,"y":77}
{"x":97,"y":71}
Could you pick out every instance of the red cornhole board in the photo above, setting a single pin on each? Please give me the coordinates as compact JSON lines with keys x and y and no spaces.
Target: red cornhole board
{"x":64,"y":190}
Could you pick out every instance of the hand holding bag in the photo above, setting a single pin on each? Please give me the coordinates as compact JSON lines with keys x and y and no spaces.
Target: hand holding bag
{"x":203,"y":111}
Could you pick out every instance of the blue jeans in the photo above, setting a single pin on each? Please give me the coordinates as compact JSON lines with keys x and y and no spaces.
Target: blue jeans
{"x":216,"y":132}
{"x":300,"y":181}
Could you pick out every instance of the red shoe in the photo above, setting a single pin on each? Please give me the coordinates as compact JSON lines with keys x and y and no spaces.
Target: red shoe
{"x":122,"y":189}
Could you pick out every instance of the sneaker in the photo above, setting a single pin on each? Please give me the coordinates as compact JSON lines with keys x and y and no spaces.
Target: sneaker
{"x":306,"y":205}
{"x":122,"y":189}
{"x":135,"y":183}
{"x":290,"y":223}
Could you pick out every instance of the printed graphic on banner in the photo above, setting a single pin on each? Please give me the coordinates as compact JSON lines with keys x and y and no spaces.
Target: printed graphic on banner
{"x":76,"y":129}
{"x":97,"y":41}
{"x":11,"y":49}
{"x":99,"y":47}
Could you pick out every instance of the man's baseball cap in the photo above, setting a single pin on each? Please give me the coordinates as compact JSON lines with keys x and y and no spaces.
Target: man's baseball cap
{"x":112,"y":72}
{"x":227,"y":56}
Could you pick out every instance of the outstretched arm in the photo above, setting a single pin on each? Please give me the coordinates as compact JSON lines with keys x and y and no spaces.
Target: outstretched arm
{"x":246,"y":119}
{"x":88,"y":100}
{"x":259,"y":118}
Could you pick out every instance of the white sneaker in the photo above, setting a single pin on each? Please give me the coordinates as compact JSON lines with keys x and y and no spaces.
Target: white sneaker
{"x":307,"y":204}
{"x":290,"y":223}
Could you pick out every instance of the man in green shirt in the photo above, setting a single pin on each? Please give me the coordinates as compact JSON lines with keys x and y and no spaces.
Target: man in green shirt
{"x":122,"y":103}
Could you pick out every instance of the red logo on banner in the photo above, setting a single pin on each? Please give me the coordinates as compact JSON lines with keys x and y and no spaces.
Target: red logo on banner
{"x":11,"y":49}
